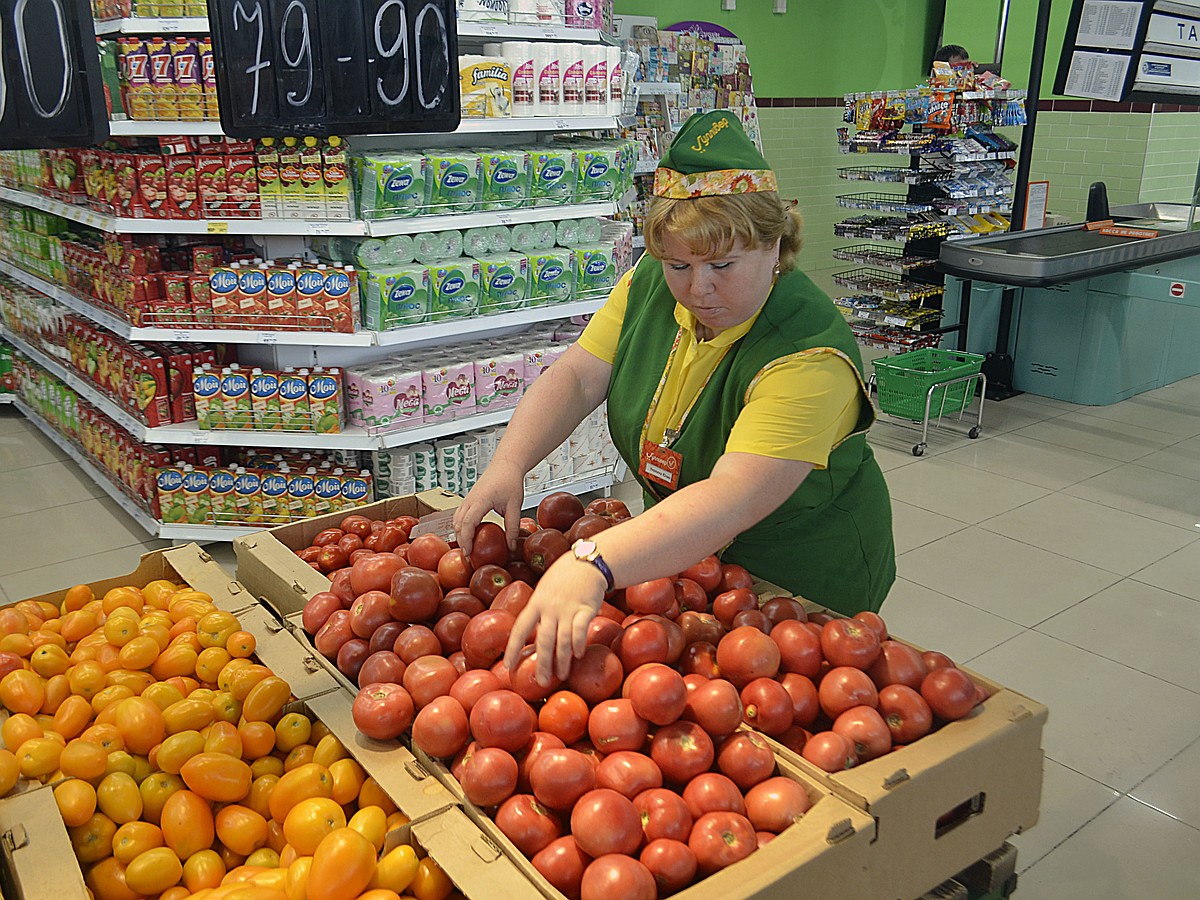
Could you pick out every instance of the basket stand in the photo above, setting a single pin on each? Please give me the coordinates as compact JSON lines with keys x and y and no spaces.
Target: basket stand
{"x":919,"y":449}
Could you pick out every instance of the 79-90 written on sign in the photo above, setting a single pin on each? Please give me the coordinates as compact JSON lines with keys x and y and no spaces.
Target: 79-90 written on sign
{"x":296,"y":67}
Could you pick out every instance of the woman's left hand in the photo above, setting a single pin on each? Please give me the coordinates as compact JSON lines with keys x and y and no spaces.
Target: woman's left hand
{"x":563,"y":604}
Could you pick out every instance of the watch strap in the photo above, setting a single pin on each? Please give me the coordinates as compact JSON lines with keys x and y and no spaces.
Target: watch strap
{"x":598,"y":561}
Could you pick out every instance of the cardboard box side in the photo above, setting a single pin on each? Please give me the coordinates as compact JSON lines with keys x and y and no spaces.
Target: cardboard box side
{"x":31,"y":821}
{"x":299,"y":636}
{"x":279,"y":652}
{"x":470,"y":858}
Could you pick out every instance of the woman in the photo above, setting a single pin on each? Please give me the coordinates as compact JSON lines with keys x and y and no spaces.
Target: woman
{"x":734,"y":391}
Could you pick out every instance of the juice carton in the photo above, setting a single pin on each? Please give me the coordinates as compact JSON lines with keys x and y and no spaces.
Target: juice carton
{"x":341,"y":298}
{"x":143,"y":374}
{"x":269,"y":189}
{"x":208,"y":77}
{"x":185,"y":58}
{"x":273,"y":494}
{"x":294,"y":409}
{"x":109,"y":63}
{"x":247,"y":485}
{"x":206,"y":388}
{"x":151,"y":197}
{"x":223,"y":288}
{"x":235,"y":395}
{"x":264,"y":397}
{"x":222,"y":497}
{"x":241,"y":178}
{"x":356,"y":488}
{"x":183,"y":198}
{"x":196,"y":501}
{"x":162,"y":79}
{"x":448,"y":391}
{"x":327,"y":491}
{"x":300,"y":486}
{"x":312,"y":180}
{"x":453,"y":289}
{"x":169,"y":484}
{"x":124,"y":170}
{"x":135,"y":71}
{"x":291,"y":188}
{"x":335,"y":172}
{"x":325,"y":400}
{"x":174,"y":307}
{"x":251,"y":296}
{"x":200,"y":294}
{"x":178,"y":361}
{"x":281,"y":298}
{"x":212,"y":183}
{"x":310,"y":296}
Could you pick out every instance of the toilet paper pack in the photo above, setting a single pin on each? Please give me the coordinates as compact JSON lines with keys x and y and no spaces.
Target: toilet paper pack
{"x":452,"y":182}
{"x":503,"y":282}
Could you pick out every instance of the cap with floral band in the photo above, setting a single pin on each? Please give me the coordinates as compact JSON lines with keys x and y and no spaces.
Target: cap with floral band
{"x":711,"y":155}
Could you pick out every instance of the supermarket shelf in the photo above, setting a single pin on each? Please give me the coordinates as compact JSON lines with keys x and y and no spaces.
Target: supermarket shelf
{"x":6,"y":399}
{"x":442,"y":429}
{"x":485,"y":325}
{"x":663,"y":88}
{"x":504,"y":31}
{"x":151,"y":128}
{"x":154,"y":25}
{"x":155,"y":128}
{"x":588,"y":481}
{"x":418,"y":224}
{"x":645,"y":167}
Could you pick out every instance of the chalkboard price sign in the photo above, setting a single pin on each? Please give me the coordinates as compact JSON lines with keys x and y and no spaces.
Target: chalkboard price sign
{"x":51,"y":91}
{"x":297,"y":67}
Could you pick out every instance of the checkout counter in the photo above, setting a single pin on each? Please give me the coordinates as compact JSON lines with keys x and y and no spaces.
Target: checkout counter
{"x":1082,"y":315}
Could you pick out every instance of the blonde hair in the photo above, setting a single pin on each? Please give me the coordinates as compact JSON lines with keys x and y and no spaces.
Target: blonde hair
{"x":712,"y":225}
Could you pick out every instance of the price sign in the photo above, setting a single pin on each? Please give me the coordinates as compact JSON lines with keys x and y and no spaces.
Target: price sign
{"x":298,"y":67}
{"x":51,"y":91}
{"x":268,"y":337}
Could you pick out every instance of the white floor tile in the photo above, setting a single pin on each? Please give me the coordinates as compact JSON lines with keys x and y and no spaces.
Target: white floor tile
{"x":12,"y":421}
{"x":1180,"y":459}
{"x":53,"y":576}
{"x":1107,"y":538}
{"x":83,"y":529}
{"x":1175,"y":788}
{"x":914,"y":527}
{"x":1154,"y":411}
{"x":1034,"y":462}
{"x":961,"y":492}
{"x":934,"y":621}
{"x":1069,"y":801}
{"x":1100,"y":437}
{"x":1179,"y":572}
{"x":24,"y":447}
{"x":1156,"y":495}
{"x":1128,"y":851}
{"x":1140,"y":626}
{"x":60,"y":484}
{"x":999,"y":418}
{"x":1059,"y":406}
{"x":898,"y":438}
{"x":994,"y":573}
{"x":889,"y":454}
{"x":1112,"y":723}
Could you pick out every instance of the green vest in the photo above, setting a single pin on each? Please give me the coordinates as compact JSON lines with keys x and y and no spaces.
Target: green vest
{"x":831,"y":541}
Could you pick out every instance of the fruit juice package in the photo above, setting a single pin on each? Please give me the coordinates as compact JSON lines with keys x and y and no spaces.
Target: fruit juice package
{"x":341,"y":298}
{"x":212,"y":184}
{"x":247,"y":489}
{"x":241,"y":178}
{"x":294,"y":409}
{"x":327,"y":491}
{"x":300,"y":486}
{"x":270,"y":198}
{"x":291,"y":188}
{"x":272,"y":492}
{"x":223,"y":291}
{"x":206,"y":387}
{"x":114,"y":99}
{"x":185,"y":59}
{"x":251,"y":296}
{"x":281,"y":298}
{"x":162,"y":79}
{"x":179,"y":363}
{"x":222,"y":497}
{"x":357,"y":489}
{"x":325,"y":399}
{"x":264,"y":398}
{"x":169,"y":485}
{"x":448,"y":390}
{"x":335,"y":173}
{"x":146,"y":376}
{"x":312,"y":180}
{"x":150,"y":199}
{"x":310,"y":296}
{"x":183,"y":197}
{"x":196,"y":502}
{"x":235,"y":397}
{"x":208,"y":77}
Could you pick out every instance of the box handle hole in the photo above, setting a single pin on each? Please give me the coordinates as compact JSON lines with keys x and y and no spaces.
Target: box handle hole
{"x":955,"y":817}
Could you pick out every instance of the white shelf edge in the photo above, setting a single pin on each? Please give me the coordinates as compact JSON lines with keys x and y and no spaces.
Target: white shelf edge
{"x":588,"y":481}
{"x":514,"y":32}
{"x":154,"y":24}
{"x":418,"y":224}
{"x":666,"y":88}
{"x":443,"y":429}
{"x":156,"y":128}
{"x":482,"y":325}
{"x":6,"y":399}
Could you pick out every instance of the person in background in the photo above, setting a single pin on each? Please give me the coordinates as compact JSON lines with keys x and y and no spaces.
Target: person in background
{"x":734,"y":391}
{"x":955,"y":54}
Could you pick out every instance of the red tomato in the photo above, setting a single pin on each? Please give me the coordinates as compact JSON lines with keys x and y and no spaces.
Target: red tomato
{"x":565,"y":715}
{"x":440,"y":728}
{"x":489,"y":546}
{"x":906,"y":713}
{"x":713,"y":792}
{"x":488,"y":581}
{"x":648,"y":597}
{"x":384,"y":637}
{"x":370,"y":611}
{"x":528,"y":824}
{"x":429,"y":677}
{"x":523,"y":679}
{"x":328,"y":536}
{"x":350,"y":543}
{"x":875,"y":622}
{"x":799,"y":648}
{"x":340,"y":584}
{"x":605,"y":822}
{"x":642,"y":642}
{"x":449,"y":631}
{"x":351,"y":656}
{"x":613,"y":725}
{"x":830,"y":751}
{"x":752,"y":617}
{"x":805,"y":705}
{"x":849,"y":642}
{"x":664,"y":814}
{"x":706,"y":573}
{"x":776,"y":803}
{"x":610,"y":508}
{"x":426,"y":551}
{"x":390,"y":537}
{"x":356,"y":524}
{"x":783,"y":609}
{"x":628,"y":773}
{"x":539,"y":742}
{"x":866,"y":729}
{"x":332,"y":557}
{"x":733,"y":577}
{"x":513,"y":597}
{"x":562,"y":863}
{"x":950,"y":693}
{"x":700,"y":658}
{"x":715,"y":706}
{"x":485,"y":637}
{"x":453,"y":570}
{"x":489,"y":776}
{"x":415,"y":594}
{"x":672,"y":863}
{"x":767,"y":706}
{"x":381,"y":667}
{"x":689,"y":595}
{"x":374,"y":572}
{"x":560,"y":777}
{"x":501,"y":719}
{"x":543,"y":547}
{"x":615,"y":875}
{"x":843,"y":688}
{"x":559,"y":511}
{"x":595,"y":676}
{"x":472,"y":685}
{"x":728,"y":604}
{"x":720,"y":839}
{"x":416,"y":641}
{"x":897,"y":664}
{"x":603,"y":631}
{"x":745,"y":654}
{"x":383,"y":711}
{"x":935,"y":660}
{"x":657,"y":693}
{"x":335,"y":632}
{"x":317,"y":610}
{"x":747,"y":759}
{"x":586,"y":526}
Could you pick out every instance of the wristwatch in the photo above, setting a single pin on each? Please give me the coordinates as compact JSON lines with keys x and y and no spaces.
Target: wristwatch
{"x":587,"y":551}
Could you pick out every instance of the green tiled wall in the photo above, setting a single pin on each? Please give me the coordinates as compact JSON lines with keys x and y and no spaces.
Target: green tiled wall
{"x":1171,"y":157}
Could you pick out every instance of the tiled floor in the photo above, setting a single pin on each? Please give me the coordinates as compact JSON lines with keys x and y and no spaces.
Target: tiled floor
{"x":1058,"y":554}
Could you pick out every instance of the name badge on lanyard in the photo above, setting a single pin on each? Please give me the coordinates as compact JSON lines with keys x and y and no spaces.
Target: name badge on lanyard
{"x":660,"y":464}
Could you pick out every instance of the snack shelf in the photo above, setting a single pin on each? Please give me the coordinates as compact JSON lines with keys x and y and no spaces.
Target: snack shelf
{"x":885,"y":228}
{"x":893,"y":259}
{"x":882,"y":202}
{"x":155,"y":128}
{"x":6,"y":399}
{"x":158,"y":127}
{"x":888,"y":175}
{"x":897,"y":316}
{"x":875,"y":145}
{"x":949,"y":208}
{"x":153,"y":25}
{"x":645,"y":167}
{"x":887,"y":285}
{"x":1008,"y":94}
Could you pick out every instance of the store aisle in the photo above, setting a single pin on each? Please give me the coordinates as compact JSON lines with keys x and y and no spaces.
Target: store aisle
{"x":1058,"y":554}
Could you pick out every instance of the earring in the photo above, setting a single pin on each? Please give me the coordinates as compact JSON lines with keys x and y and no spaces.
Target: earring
{"x":776,"y":272}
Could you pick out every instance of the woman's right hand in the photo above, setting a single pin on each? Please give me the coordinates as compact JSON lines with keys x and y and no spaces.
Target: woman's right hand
{"x":500,"y":489}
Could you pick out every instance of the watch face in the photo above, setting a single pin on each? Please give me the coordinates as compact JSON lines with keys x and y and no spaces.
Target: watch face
{"x":584,"y":549}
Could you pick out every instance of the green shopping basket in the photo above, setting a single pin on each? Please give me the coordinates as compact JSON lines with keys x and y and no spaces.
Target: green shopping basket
{"x":903,"y":381}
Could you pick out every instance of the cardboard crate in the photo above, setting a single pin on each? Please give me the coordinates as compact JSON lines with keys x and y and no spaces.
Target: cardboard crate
{"x":269,"y":567}
{"x":32,"y":833}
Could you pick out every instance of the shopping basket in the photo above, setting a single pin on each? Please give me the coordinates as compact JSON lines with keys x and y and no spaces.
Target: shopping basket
{"x":903,"y":382}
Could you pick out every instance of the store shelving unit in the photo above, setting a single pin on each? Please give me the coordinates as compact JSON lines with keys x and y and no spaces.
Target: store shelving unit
{"x":532,"y":124}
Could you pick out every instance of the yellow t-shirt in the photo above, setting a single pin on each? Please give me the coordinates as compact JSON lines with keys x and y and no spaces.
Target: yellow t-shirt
{"x":799,"y":408}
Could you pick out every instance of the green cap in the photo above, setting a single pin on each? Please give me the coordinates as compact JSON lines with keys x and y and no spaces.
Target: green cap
{"x":711,"y":155}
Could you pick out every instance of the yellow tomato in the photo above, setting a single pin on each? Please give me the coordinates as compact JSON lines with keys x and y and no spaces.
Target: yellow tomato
{"x":20,"y":644}
{"x":156,"y":790}
{"x":134,"y":680}
{"x":83,"y":759}
{"x":39,"y":756}
{"x":141,"y":724}
{"x":77,"y":624}
{"x":19,"y":728}
{"x":206,"y":694}
{"x":154,"y":871}
{"x":310,"y":820}
{"x":141,"y":769}
{"x":260,"y":793}
{"x":299,"y":756}
{"x":203,"y":869}
{"x":178,"y":749}
{"x":266,"y":765}
{"x":179,"y":659}
{"x":162,"y":694}
{"x":76,"y":801}
{"x":49,"y":660}
{"x":123,"y":596}
{"x":158,"y":632}
{"x":373,"y":894}
{"x":92,"y":840}
{"x":265,"y":700}
{"x":224,"y":738}
{"x":187,"y":823}
{"x":77,"y":597}
{"x":135,"y":838}
{"x":110,"y":695}
{"x":396,"y":820}
{"x":120,"y":761}
{"x":224,"y":678}
{"x":329,"y":750}
{"x":215,"y":628}
{"x":120,"y":630}
{"x":371,"y":823}
{"x":217,"y":777}
{"x":10,"y":771}
{"x":241,"y":644}
{"x":265,"y":857}
{"x":396,"y":870}
{"x":373,"y":795}
{"x":310,"y":780}
{"x":244,"y":679}
{"x":23,"y":691}
{"x":241,"y":829}
{"x":139,"y":652}
{"x":272,"y":879}
{"x":258,"y":738}
{"x":296,"y":884}
{"x":106,"y":880}
{"x":192,"y":714}
{"x":431,"y":883}
{"x":342,"y":865}
{"x":106,"y":736}
{"x":348,"y":778}
{"x":226,"y":708}
{"x":291,"y":731}
{"x":210,"y":662}
{"x":158,"y":593}
{"x":119,"y":798}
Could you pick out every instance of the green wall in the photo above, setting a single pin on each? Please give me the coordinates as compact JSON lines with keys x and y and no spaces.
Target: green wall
{"x":819,"y":49}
